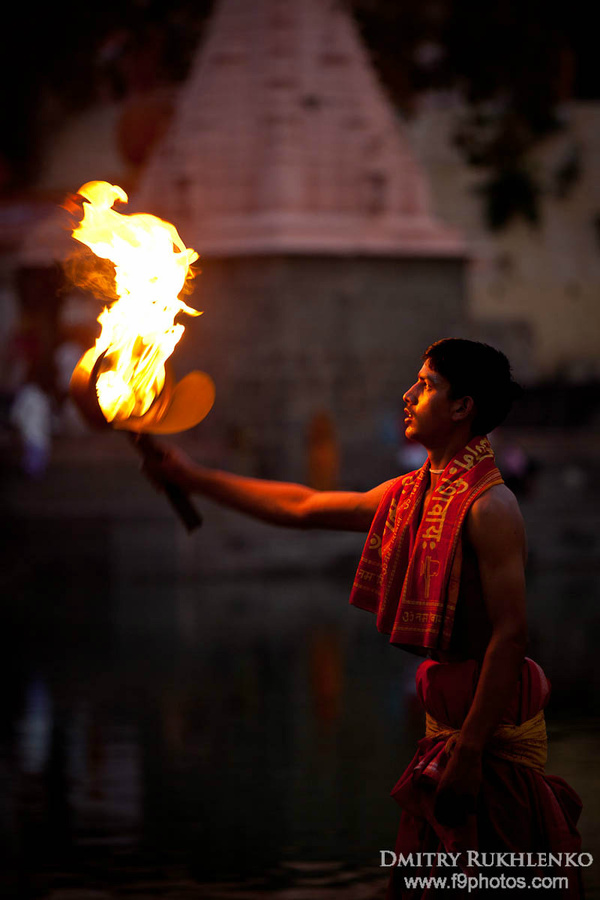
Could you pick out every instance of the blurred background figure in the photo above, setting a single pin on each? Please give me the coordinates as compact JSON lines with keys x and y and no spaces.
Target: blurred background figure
{"x":323,"y":453}
{"x":31,"y":415}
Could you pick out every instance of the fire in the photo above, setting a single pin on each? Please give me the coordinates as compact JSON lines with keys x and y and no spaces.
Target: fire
{"x":139,"y":332}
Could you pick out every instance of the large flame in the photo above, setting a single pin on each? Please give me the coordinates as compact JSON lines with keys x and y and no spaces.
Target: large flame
{"x":138,"y":330}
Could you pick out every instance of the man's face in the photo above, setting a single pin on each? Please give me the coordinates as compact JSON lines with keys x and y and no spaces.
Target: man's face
{"x":428,"y":408}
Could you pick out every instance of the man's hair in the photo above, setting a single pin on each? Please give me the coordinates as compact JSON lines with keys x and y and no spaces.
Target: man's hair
{"x":479,"y":371}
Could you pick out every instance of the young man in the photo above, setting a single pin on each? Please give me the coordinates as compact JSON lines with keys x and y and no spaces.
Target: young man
{"x":443,"y":571}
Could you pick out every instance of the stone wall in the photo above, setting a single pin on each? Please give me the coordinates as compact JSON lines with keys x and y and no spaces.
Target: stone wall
{"x":287,"y":338}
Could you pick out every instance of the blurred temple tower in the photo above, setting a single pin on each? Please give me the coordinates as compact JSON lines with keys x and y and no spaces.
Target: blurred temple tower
{"x":324,"y":273}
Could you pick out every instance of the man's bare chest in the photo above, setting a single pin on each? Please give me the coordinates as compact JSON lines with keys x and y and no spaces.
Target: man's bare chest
{"x":472,"y":626}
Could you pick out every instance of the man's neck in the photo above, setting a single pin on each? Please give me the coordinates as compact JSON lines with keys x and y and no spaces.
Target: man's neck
{"x":440,"y":456}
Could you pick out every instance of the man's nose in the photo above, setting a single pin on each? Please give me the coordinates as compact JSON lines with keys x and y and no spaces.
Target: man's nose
{"x":408,"y":397}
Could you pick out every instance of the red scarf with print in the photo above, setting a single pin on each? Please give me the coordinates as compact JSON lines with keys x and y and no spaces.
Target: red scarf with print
{"x":409,"y":572}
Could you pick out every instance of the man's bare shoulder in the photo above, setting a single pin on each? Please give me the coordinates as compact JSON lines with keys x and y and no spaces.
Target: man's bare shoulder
{"x":497,"y":501}
{"x":370,"y":500}
{"x":496,"y":516}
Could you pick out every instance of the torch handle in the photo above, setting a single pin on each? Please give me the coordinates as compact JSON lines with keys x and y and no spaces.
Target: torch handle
{"x":178,"y":498}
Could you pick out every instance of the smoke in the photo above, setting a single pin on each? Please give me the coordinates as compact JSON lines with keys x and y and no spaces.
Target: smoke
{"x":87,"y":272}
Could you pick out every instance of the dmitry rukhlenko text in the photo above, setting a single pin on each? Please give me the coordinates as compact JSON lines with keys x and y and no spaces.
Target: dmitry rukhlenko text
{"x":474,"y":859}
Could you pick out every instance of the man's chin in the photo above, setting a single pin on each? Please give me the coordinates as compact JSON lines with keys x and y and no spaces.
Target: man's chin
{"x":410,"y":433}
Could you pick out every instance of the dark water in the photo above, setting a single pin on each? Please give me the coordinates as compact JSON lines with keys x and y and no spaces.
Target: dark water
{"x":238,"y":730}
{"x":241,"y":740}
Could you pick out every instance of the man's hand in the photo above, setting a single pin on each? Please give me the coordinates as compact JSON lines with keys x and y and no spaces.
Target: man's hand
{"x":459,"y":786}
{"x":169,"y":464}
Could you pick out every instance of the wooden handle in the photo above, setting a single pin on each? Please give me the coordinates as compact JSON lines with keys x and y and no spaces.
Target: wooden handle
{"x":177,"y":497}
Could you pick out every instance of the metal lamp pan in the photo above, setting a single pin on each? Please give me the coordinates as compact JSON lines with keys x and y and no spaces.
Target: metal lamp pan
{"x":178,"y":407}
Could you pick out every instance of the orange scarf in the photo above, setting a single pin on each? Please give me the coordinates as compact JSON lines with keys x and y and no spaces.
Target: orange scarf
{"x":409,"y":572}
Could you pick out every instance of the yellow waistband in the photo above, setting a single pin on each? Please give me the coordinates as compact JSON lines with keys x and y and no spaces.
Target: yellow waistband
{"x":525,"y":744}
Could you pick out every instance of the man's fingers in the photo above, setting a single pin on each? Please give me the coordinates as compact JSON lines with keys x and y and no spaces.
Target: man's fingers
{"x":166,"y":466}
{"x":153,"y":477}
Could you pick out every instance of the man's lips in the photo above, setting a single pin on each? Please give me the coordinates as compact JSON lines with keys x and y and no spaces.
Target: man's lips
{"x":407,"y":415}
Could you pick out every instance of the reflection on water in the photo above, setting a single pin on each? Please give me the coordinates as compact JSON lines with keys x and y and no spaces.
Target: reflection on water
{"x":220,"y":737}
{"x":246,"y":730}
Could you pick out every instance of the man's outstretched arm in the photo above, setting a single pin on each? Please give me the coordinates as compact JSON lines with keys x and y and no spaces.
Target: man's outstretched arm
{"x":495,"y":530}
{"x":277,"y":502}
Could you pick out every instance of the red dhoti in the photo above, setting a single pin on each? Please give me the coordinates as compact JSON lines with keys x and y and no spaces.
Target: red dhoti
{"x":520,"y":810}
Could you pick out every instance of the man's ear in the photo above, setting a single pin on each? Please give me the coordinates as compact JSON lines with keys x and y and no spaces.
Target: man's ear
{"x":463,"y":408}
